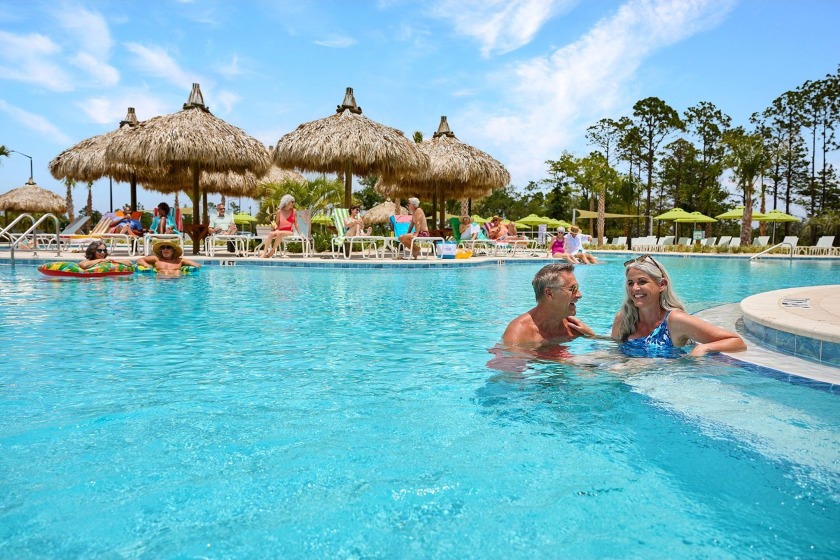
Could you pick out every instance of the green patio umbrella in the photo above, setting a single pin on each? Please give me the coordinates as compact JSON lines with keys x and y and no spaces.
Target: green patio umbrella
{"x":243,"y":218}
{"x":533,"y":220}
{"x":695,"y":218}
{"x":737,"y":213}
{"x":322,"y":219}
{"x":673,"y":214}
{"x":478,"y":219}
{"x":775,"y":216}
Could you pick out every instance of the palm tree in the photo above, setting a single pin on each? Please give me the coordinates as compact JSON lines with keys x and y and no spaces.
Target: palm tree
{"x":4,"y":151}
{"x":747,"y":158}
{"x":312,"y":195}
{"x":68,"y":199}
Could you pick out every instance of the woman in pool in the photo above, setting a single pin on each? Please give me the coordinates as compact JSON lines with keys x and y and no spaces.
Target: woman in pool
{"x":285,"y":226}
{"x":653,"y":323}
{"x":97,"y":253}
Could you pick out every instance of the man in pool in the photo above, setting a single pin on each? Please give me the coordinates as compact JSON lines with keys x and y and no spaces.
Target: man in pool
{"x":166,"y":259}
{"x":552,"y":320}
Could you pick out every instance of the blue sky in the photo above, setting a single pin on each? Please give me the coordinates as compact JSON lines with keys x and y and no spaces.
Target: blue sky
{"x":519,"y":79}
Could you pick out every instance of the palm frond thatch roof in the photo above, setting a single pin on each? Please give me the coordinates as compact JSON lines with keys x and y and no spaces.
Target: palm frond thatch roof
{"x":380,"y":213}
{"x":227,"y":184}
{"x":455,"y":168}
{"x":86,"y":160}
{"x":32,"y":198}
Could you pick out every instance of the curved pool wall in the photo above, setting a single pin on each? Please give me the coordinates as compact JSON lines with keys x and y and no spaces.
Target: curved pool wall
{"x":330,"y":413}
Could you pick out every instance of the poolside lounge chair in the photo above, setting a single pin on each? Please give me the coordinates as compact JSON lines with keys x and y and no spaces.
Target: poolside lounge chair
{"x":401,"y":225}
{"x":48,"y":239}
{"x":475,"y":245}
{"x":735,"y":242}
{"x":761,"y":241}
{"x":663,"y":242}
{"x":344,"y":244}
{"x":724,"y":241}
{"x":824,"y":246}
{"x":792,"y":240}
{"x":76,"y":242}
{"x":304,"y":222}
{"x":708,"y":242}
{"x":685,"y":242}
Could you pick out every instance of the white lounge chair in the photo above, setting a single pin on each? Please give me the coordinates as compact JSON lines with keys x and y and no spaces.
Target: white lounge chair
{"x":48,"y":239}
{"x":792,"y":240}
{"x":735,"y":242}
{"x":824,"y":246}
{"x":724,"y":241}
{"x":685,"y":242}
{"x":761,"y":241}
{"x":708,"y":242}
{"x":337,"y":244}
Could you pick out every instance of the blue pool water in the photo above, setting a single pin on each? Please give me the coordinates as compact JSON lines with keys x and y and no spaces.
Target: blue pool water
{"x":300,"y":413}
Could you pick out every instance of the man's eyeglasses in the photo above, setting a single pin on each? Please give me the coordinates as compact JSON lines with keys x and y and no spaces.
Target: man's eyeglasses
{"x":643,"y":258}
{"x":571,"y":289}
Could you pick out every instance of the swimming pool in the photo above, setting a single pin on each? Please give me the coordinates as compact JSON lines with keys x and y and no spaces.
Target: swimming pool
{"x":252,"y":412}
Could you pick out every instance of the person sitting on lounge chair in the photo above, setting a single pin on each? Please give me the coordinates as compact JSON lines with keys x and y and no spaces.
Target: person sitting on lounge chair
{"x":97,"y":253}
{"x":418,"y":224}
{"x":498,"y":231}
{"x":167,"y":258}
{"x":285,"y":226}
{"x":164,"y":222}
{"x":469,"y":230}
{"x":354,"y":226}
{"x":573,"y":245}
{"x":221,"y":224}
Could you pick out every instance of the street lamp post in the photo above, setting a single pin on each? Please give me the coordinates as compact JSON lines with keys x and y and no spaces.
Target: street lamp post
{"x":31,"y":178}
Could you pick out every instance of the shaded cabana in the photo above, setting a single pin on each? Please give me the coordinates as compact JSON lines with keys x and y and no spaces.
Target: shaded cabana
{"x":455,"y":169}
{"x":348,"y":143}
{"x":192,"y":139}
{"x":32,"y":198}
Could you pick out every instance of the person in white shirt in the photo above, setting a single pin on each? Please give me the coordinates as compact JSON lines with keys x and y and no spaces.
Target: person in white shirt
{"x":573,"y":245}
{"x":222,"y":224}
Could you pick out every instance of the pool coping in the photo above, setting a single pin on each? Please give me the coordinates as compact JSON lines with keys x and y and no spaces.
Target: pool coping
{"x":766,"y":360}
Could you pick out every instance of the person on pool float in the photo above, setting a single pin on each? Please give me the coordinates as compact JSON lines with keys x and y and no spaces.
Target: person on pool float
{"x":285,"y":226}
{"x":418,"y":227}
{"x":552,"y":320}
{"x":653,"y":323}
{"x":573,"y":245}
{"x":166,"y":259}
{"x":97,"y":253}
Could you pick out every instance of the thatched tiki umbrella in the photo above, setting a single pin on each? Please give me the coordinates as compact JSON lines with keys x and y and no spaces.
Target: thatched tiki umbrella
{"x":381,"y":213}
{"x":348,"y":143}
{"x":192,"y":139}
{"x":455,"y":168}
{"x":32,"y":198}
{"x":86,"y":160}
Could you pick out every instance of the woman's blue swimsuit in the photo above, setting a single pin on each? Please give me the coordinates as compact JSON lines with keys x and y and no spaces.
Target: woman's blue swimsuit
{"x":657,"y":344}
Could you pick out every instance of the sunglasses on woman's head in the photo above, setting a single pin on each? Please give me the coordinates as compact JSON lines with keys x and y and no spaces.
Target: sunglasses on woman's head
{"x":643,"y":258}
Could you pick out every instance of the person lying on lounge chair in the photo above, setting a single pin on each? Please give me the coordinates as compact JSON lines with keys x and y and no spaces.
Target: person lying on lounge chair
{"x":503,"y":232}
{"x":166,"y":259}
{"x":126,"y":225}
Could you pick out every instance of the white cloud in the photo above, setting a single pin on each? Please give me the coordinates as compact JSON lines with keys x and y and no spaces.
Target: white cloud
{"x":227,"y":99}
{"x":34,"y":122}
{"x":156,"y":62}
{"x":548,"y":101}
{"x":500,"y":26}
{"x":90,"y":31}
{"x":112,"y":109}
{"x":232,"y":69}
{"x":30,"y":58}
{"x":337,"y":42}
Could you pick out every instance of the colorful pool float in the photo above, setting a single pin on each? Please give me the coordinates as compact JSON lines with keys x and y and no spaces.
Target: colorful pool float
{"x":149,"y":270}
{"x":72,"y":270}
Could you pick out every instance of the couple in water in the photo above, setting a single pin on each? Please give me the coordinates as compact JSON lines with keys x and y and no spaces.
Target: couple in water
{"x":652,"y":321}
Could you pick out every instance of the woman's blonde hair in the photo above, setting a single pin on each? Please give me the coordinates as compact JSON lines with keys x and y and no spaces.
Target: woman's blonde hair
{"x":668,"y":299}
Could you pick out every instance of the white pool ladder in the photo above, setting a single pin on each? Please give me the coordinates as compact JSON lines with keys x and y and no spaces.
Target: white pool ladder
{"x":774,"y":247}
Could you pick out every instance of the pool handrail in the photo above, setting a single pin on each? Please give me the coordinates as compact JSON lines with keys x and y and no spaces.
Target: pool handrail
{"x":774,"y":247}
{"x":35,"y":237}
{"x":4,"y":232}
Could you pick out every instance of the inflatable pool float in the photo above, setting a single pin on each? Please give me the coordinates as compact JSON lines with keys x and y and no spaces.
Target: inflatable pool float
{"x":186,"y":269}
{"x":72,"y":270}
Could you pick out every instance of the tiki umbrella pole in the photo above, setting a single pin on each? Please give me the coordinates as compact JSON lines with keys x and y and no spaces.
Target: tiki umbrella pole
{"x":348,"y":185}
{"x":196,"y":171}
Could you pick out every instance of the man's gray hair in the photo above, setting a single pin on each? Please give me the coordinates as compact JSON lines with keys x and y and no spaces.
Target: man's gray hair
{"x":414,"y":201}
{"x":550,"y":275}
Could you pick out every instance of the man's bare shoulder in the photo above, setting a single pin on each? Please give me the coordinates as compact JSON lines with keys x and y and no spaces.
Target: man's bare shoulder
{"x":522,"y":330}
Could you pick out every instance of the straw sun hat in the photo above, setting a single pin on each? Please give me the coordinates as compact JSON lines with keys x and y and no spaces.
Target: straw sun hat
{"x":159,"y":245}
